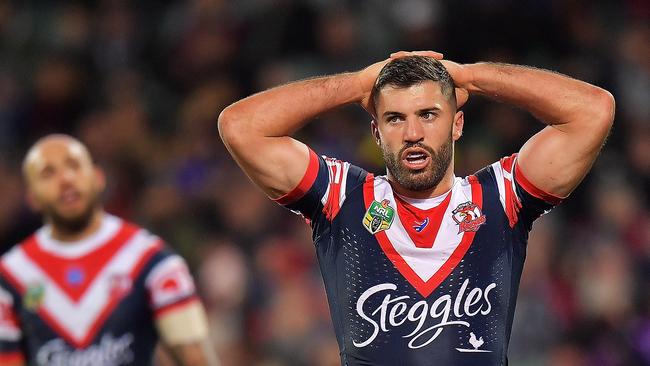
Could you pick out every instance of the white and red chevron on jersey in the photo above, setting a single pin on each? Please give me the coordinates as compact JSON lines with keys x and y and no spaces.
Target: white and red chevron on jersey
{"x":68,"y":303}
{"x":75,"y":280}
{"x":426,"y":267}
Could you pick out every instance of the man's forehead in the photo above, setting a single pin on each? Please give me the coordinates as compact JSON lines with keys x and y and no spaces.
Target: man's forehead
{"x":54,"y":148}
{"x":427,"y":92}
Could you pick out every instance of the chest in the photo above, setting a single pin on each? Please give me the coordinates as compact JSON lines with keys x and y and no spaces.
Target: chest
{"x":378,"y":237}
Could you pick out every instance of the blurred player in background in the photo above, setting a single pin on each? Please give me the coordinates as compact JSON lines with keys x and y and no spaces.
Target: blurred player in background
{"x":89,"y":288}
{"x":421,"y":267}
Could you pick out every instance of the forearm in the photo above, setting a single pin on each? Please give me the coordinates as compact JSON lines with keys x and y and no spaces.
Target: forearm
{"x":185,"y":333}
{"x":579,"y":117}
{"x":283,"y":110}
{"x":256,"y":130}
{"x":194,"y":354}
{"x":553,"y":98}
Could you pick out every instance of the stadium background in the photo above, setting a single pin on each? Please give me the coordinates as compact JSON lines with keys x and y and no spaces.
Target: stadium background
{"x":142,"y":84}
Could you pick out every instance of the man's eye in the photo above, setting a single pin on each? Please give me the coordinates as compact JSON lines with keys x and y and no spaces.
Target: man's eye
{"x":393,"y":119}
{"x":428,"y":115}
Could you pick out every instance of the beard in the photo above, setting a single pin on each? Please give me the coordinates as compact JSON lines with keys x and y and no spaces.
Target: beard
{"x":72,"y":224}
{"x":423,"y":179}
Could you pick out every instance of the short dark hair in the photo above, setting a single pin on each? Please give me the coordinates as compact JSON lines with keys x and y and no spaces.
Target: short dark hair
{"x":412,"y":70}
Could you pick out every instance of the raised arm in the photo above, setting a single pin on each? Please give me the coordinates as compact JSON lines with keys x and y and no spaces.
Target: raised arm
{"x":256,"y":130}
{"x":578,"y":118}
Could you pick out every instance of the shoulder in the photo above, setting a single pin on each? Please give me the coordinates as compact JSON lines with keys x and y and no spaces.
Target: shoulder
{"x":518,"y":197}
{"x":324,"y":188}
{"x":12,"y":259}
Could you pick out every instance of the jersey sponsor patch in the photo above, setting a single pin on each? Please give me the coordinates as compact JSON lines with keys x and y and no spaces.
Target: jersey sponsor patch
{"x":428,"y":319}
{"x":108,"y":352}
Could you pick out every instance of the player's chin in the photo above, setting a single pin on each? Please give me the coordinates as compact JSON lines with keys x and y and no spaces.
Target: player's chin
{"x":417,"y":183}
{"x":75,"y":212}
{"x":72,"y":211}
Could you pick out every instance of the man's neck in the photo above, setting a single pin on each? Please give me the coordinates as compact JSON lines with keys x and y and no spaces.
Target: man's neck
{"x":93,"y":226}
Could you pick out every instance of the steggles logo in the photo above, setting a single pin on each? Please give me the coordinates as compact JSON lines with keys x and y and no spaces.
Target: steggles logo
{"x":396,"y":312}
{"x":110,"y":351}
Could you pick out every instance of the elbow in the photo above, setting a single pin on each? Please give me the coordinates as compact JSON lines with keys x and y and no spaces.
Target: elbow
{"x":599,"y":113}
{"x":228,"y":125}
{"x":605,"y":105}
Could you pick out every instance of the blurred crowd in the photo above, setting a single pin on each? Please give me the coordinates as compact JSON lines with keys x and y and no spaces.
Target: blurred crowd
{"x":142,"y":83}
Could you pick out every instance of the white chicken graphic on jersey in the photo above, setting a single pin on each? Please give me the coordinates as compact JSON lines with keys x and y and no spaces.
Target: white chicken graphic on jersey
{"x":475,"y":342}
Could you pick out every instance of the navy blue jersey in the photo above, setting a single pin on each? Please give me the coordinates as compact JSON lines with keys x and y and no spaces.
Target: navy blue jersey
{"x":420,"y":282}
{"x":93,"y":302}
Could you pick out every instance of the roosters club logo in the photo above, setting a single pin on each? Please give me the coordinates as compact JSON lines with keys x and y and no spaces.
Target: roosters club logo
{"x":119,"y":285}
{"x":468,"y":217}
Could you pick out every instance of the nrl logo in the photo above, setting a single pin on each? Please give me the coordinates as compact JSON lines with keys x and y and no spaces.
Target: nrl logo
{"x":468,"y":217}
{"x":34,"y":296}
{"x":379,"y":217}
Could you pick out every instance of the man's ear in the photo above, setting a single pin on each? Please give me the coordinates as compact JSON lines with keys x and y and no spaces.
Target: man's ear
{"x":100,"y":179}
{"x":457,"y":126}
{"x":374,"y":128}
{"x":32,"y":202}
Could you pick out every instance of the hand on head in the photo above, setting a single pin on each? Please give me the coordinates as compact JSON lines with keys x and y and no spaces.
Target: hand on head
{"x":368,"y":76}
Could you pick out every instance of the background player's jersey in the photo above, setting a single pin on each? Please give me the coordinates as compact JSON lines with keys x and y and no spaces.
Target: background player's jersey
{"x":420,"y":282}
{"x":93,"y":302}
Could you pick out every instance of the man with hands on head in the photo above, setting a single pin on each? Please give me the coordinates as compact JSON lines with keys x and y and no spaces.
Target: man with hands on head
{"x":421,"y":267}
{"x":88,"y":287}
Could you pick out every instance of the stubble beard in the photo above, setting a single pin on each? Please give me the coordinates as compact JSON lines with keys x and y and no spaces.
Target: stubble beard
{"x":72,"y":224}
{"x":424,"y":179}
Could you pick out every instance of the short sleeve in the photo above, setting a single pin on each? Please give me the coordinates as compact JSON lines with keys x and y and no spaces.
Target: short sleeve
{"x":323,"y":188}
{"x":10,"y":330}
{"x":170,"y":285}
{"x":521,"y":200}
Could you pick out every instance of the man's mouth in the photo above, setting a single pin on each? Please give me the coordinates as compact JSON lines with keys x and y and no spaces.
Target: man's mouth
{"x":415,"y":158}
{"x":69,"y":197}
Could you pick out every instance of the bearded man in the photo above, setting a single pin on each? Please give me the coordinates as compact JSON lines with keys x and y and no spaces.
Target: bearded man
{"x":89,"y":288}
{"x":421,"y":267}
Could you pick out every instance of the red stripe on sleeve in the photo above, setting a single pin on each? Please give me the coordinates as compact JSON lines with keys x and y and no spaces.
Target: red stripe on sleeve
{"x":175,"y":306}
{"x":305,"y":183}
{"x":533,"y":190}
{"x":16,"y":356}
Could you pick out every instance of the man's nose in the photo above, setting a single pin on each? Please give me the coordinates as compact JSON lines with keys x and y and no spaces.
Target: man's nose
{"x":67,"y":176}
{"x":414,"y":131}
